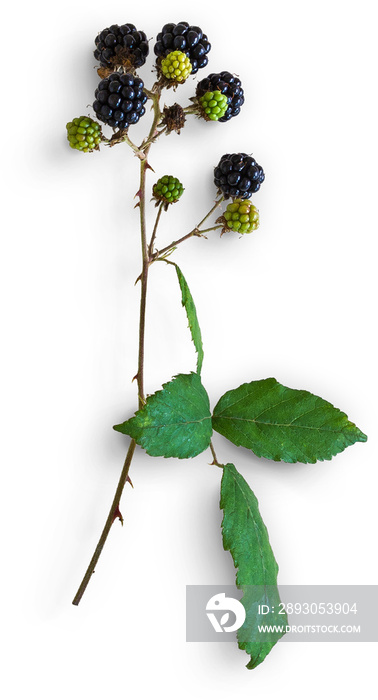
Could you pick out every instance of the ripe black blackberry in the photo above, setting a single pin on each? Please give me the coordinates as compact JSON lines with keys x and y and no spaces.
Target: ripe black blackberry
{"x":120,"y":100}
{"x":228,"y":85}
{"x":121,"y":46}
{"x":186,"y":38}
{"x":238,"y":175}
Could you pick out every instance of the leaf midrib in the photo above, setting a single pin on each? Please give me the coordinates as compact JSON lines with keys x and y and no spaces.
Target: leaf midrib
{"x":283,"y":425}
{"x":168,"y":425}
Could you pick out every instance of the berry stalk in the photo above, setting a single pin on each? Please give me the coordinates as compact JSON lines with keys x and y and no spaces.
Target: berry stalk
{"x":154,"y":232}
{"x":194,"y":232}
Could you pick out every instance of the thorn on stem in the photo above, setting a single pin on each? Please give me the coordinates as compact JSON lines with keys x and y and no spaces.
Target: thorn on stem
{"x":130,"y":482}
{"x":118,"y":514}
{"x":198,"y":233}
{"x":214,"y":463}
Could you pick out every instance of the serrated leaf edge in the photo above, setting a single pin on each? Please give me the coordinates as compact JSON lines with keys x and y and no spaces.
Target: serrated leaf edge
{"x":124,"y":427}
{"x":349,"y":435}
{"x":254,"y":661}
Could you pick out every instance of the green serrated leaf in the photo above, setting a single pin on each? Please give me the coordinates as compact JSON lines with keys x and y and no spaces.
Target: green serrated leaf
{"x":174,"y":422}
{"x":188,"y":303}
{"x":283,"y":424}
{"x":246,"y":537}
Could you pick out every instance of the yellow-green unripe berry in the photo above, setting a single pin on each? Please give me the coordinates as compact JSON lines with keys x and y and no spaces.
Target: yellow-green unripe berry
{"x":84,"y":134}
{"x":167,"y":190}
{"x":176,"y":67}
{"x":213,"y":105}
{"x":241,"y":216}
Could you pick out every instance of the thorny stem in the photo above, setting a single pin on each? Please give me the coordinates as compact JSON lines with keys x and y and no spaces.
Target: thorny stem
{"x":144,"y":277}
{"x":114,"y":509}
{"x":155,"y":97}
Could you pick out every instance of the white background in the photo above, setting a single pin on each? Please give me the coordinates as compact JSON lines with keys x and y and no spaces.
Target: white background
{"x":296,"y":300}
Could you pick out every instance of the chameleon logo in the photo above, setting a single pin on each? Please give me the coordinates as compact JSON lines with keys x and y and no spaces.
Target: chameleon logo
{"x":220,"y":602}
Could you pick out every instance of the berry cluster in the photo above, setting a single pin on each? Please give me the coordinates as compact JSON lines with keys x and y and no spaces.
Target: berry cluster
{"x":124,"y":45}
{"x":120,"y":100}
{"x":186,"y":38}
{"x":168,"y":190}
{"x":241,"y":216}
{"x":176,"y":67}
{"x":84,"y":134}
{"x":228,"y":85}
{"x":213,"y":105}
{"x":238,"y":175}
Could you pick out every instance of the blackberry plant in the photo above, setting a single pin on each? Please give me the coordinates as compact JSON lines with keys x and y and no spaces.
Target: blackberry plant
{"x":264,"y":416}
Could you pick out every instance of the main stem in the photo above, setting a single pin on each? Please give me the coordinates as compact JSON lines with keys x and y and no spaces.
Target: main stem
{"x":113,"y":514}
{"x":114,"y":511}
{"x":144,"y":278}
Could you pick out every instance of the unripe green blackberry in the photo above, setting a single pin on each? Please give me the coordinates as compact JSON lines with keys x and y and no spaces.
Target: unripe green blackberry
{"x":241,"y":216}
{"x":176,"y":67}
{"x":168,"y":190}
{"x":213,"y":105}
{"x":84,"y":134}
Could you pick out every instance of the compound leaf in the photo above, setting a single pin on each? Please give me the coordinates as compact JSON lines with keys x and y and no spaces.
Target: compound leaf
{"x":283,"y":424}
{"x":188,"y":303}
{"x":175,"y":421}
{"x":246,"y":537}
